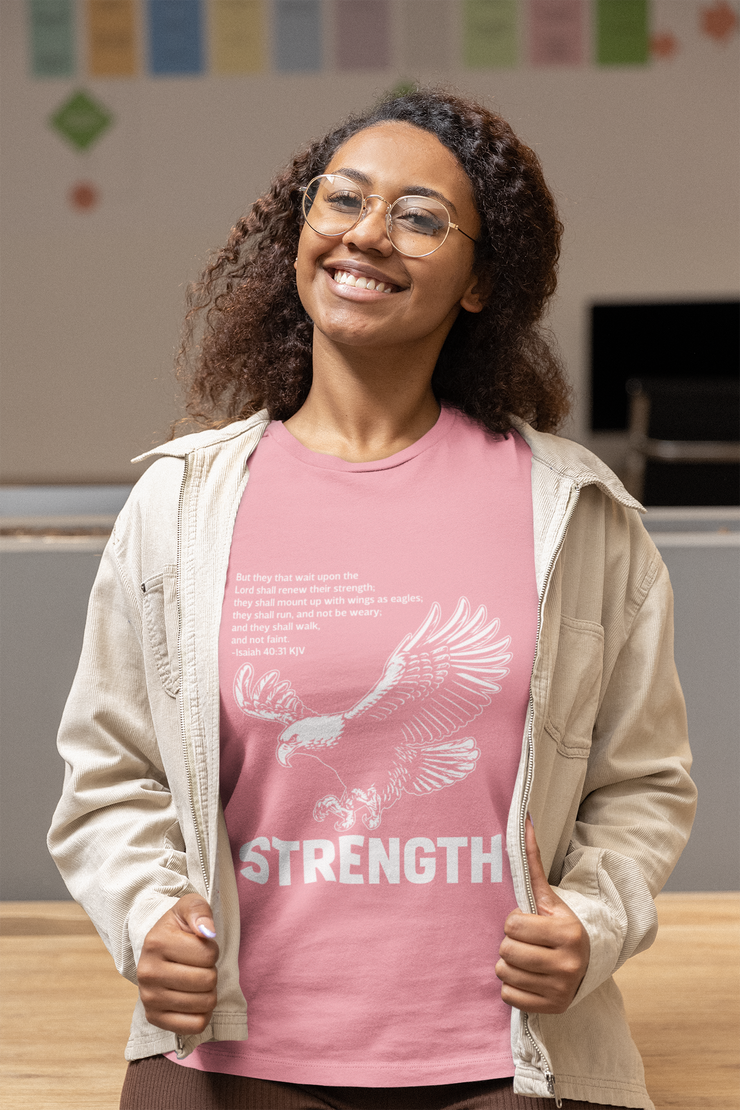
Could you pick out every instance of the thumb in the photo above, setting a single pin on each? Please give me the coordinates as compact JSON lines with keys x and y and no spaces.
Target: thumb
{"x":545,"y":897}
{"x":195,"y":916}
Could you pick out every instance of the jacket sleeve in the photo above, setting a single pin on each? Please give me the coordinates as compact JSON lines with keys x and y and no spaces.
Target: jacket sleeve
{"x":115,"y":834}
{"x":638,"y":800}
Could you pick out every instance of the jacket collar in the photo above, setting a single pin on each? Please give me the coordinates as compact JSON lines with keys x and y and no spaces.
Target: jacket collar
{"x":576,"y":463}
{"x":184,"y":445}
{"x":564,"y":457}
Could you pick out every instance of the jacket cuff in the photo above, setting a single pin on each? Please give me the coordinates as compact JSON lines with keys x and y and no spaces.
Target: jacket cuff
{"x":605,"y":936}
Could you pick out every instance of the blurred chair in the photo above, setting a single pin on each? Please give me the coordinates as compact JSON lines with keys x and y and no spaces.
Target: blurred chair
{"x":684,"y":441}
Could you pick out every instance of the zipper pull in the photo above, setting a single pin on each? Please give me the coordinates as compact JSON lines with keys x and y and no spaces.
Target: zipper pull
{"x":550,"y":1079}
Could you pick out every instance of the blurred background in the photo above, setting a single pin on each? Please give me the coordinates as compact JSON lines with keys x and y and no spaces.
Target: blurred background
{"x":135,"y":132}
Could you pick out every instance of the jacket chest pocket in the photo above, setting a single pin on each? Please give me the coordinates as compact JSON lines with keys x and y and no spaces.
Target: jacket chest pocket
{"x":575,"y":687}
{"x":162,"y":625}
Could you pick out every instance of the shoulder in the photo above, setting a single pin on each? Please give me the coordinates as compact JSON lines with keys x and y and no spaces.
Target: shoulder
{"x":214,"y":438}
{"x":158,"y":489}
{"x":607,"y":547}
{"x":569,"y":460}
{"x":146,"y":530}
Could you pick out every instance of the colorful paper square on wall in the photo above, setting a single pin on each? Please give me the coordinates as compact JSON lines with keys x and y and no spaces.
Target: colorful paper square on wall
{"x":557,"y":32}
{"x":175,"y":37}
{"x":237,"y":36}
{"x":111,"y":38}
{"x":51,"y":30}
{"x":490,"y":39}
{"x":363,"y":34}
{"x":298,"y":35}
{"x":622,"y":32}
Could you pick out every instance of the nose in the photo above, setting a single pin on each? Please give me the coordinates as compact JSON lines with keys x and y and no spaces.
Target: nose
{"x":371,"y":232}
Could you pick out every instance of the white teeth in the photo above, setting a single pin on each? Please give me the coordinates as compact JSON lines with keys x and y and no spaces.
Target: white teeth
{"x":343,"y":277}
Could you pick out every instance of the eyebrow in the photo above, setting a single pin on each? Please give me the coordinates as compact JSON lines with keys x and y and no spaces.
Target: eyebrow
{"x":408,"y":191}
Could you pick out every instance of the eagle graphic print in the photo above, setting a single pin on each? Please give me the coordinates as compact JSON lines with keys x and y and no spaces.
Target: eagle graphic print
{"x":406,"y":735}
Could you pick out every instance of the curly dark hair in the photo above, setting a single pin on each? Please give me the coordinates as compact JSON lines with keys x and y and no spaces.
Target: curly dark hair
{"x":248,"y":340}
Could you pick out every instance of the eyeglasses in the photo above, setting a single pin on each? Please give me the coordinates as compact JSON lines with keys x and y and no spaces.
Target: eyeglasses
{"x":416,"y":226}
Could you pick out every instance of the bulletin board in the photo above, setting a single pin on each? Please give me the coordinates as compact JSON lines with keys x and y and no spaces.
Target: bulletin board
{"x":135,"y":132}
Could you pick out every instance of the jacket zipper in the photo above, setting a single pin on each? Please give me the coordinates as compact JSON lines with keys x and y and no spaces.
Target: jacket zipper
{"x":183,"y":730}
{"x":538,"y":1048}
{"x":180,"y":1040}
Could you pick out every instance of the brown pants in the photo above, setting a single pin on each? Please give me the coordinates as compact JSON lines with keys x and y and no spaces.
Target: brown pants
{"x":155,"y":1083}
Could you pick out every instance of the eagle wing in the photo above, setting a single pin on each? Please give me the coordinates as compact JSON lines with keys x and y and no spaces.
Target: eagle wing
{"x":439,"y":679}
{"x":420,"y":770}
{"x":268,"y":698}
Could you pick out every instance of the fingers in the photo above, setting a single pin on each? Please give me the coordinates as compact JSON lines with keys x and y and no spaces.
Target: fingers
{"x":561,"y":929}
{"x":536,"y":997}
{"x":174,"y":1007}
{"x":175,"y":1021}
{"x":559,"y":965}
{"x":526,"y":955}
{"x":169,"y":942}
{"x":538,"y":992}
{"x":544,"y":956}
{"x":194,"y":915}
{"x":177,"y":974}
{"x":175,"y":978}
{"x":541,"y":978}
{"x":544,"y":895}
{"x":177,"y":1010}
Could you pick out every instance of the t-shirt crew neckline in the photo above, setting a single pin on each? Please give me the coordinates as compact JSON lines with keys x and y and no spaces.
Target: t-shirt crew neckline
{"x":284,"y":439}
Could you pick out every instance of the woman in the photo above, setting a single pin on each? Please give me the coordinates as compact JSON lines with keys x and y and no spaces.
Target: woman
{"x":345,"y":641}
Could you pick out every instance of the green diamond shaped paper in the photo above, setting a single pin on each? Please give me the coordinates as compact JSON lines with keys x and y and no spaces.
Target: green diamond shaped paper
{"x":81,"y":120}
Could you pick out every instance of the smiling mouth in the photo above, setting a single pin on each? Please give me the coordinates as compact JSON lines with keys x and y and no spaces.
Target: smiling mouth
{"x":343,"y":277}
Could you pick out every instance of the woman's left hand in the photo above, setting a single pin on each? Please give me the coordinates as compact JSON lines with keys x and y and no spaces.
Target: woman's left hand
{"x":543,"y":956}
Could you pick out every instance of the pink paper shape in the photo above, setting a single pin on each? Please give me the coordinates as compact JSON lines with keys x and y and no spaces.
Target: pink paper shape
{"x":557,"y":32}
{"x":363,"y":34}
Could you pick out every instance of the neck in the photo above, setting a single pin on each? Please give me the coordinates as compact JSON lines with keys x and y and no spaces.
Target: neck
{"x":365,"y":404}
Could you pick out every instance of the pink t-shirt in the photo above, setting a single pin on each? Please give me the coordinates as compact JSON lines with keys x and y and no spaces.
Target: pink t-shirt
{"x":376,"y":647}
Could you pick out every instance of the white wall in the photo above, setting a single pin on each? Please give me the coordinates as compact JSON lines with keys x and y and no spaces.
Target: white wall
{"x":644,"y":162}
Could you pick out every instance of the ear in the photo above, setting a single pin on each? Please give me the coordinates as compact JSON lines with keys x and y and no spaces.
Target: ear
{"x":475,"y":296}
{"x":295,"y":264}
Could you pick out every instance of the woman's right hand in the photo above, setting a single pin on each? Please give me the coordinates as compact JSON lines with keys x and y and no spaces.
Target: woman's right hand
{"x":177,"y":970}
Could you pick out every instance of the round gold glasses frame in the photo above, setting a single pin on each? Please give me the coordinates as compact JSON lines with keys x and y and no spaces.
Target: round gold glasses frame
{"x":310,"y":193}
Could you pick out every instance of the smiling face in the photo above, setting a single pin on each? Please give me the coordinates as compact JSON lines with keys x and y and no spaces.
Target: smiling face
{"x":419,"y":298}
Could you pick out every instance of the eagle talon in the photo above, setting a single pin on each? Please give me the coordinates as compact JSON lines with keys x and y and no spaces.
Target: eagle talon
{"x":331,"y":804}
{"x":347,"y":823}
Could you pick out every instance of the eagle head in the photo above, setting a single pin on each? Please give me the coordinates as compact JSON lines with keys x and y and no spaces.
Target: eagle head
{"x":309,"y":736}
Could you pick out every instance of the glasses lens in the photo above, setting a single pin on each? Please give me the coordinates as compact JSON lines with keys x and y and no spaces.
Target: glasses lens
{"x":418,"y":225}
{"x":332,"y":204}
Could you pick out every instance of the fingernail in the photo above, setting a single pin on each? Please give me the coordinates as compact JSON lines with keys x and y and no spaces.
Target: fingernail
{"x":206,"y":931}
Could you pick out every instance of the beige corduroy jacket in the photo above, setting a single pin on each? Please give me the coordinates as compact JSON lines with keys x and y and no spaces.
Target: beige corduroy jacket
{"x":604,"y":768}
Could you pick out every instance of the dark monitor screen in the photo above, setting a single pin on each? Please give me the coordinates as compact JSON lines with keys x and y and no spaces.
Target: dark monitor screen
{"x":691,"y":339}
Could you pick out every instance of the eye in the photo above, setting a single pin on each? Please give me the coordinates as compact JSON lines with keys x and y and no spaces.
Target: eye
{"x":343,"y":200}
{"x":419,"y":220}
